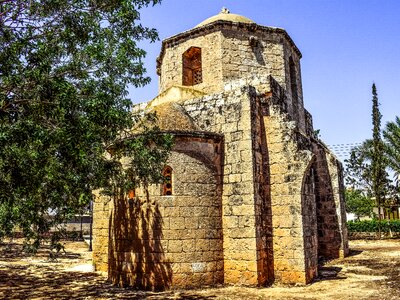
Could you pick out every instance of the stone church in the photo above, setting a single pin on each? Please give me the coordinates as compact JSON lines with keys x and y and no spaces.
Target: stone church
{"x":251,"y":195}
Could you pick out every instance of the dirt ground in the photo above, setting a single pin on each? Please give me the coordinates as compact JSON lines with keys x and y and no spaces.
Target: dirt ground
{"x":372,"y":271}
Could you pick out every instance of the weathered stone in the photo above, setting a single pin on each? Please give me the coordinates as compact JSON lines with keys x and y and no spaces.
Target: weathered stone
{"x":254,"y":196}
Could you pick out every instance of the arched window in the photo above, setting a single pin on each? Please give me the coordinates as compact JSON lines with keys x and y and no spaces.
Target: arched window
{"x":167,"y":186}
{"x":131,"y":194}
{"x":191,"y":61}
{"x":293,"y":85}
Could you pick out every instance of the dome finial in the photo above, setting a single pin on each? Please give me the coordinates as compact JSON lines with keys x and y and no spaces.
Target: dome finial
{"x":224,"y":10}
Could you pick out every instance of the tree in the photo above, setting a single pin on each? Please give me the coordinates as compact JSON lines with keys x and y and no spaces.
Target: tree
{"x":64,"y":70}
{"x":358,"y":203}
{"x":358,"y":168}
{"x":391,"y":135}
{"x":378,"y":167}
{"x":366,"y":168}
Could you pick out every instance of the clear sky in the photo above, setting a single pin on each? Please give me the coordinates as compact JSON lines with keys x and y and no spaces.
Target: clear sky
{"x":346,"y":45}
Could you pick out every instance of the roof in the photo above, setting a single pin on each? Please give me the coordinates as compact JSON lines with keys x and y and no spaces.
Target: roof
{"x":172,"y":116}
{"x":225,"y":15}
{"x":176,"y":93}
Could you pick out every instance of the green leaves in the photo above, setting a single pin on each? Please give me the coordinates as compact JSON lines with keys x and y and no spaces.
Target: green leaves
{"x":374,"y":226}
{"x":378,"y":172}
{"x":366,"y":169}
{"x":392,"y":145}
{"x":358,"y":203}
{"x":64,"y":70}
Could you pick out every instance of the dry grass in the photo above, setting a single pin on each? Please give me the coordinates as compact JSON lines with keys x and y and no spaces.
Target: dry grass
{"x":372,"y":271}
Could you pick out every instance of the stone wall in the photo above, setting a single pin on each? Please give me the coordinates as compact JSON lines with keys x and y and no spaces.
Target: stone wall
{"x":262,"y":192}
{"x":249,"y":193}
{"x":136,"y":254}
{"x":172,"y":240}
{"x":242,"y":258}
{"x":171,"y":67}
{"x":296,"y":103}
{"x":294,"y":238}
{"x":373,"y":235}
{"x":228,"y":113}
{"x":102,"y":212}
{"x":336,"y":174}
{"x":232,"y":51}
{"x":329,"y":238}
{"x":331,"y":215}
{"x":309,"y":216}
{"x":245,"y":53}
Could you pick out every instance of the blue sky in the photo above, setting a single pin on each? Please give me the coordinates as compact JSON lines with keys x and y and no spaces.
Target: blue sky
{"x":346,"y":45}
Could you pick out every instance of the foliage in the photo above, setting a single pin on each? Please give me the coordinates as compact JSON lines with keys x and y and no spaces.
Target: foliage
{"x":378,"y":167}
{"x":317,"y":133}
{"x":374,"y":225}
{"x":366,"y":168}
{"x":358,"y":203}
{"x":358,"y":168}
{"x":391,"y":135}
{"x":358,"y":173}
{"x":148,"y":151}
{"x":64,"y":70}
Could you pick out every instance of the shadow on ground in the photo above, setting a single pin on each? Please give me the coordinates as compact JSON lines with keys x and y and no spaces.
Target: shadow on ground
{"x":37,"y":277}
{"x":44,"y":282}
{"x":329,"y":273}
{"x":370,"y":272}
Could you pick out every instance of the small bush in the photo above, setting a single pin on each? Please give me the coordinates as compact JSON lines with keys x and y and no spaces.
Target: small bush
{"x":372,"y":226}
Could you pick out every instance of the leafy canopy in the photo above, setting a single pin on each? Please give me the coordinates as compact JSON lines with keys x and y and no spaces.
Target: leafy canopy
{"x":365,"y":173}
{"x":358,"y":203}
{"x":64,"y":70}
{"x":358,"y":168}
{"x":391,"y":135}
{"x":378,"y":163}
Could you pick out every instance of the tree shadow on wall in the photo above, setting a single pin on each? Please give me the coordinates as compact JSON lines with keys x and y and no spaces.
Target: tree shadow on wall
{"x":136,"y":255}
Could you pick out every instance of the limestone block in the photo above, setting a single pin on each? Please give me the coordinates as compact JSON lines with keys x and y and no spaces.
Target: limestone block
{"x":247,"y":232}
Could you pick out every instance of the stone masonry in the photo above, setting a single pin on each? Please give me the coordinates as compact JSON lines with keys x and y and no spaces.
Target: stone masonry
{"x":253,"y":196}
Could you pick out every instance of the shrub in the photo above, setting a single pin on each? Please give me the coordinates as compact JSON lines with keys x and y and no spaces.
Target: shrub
{"x":372,"y":226}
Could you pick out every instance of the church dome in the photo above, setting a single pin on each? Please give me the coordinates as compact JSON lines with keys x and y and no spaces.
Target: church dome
{"x":225,"y":15}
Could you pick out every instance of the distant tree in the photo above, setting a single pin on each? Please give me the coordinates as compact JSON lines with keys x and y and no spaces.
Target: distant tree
{"x":358,"y":168}
{"x":358,"y":203}
{"x":64,"y":70}
{"x":391,"y":136}
{"x":366,"y":167}
{"x":378,"y":167}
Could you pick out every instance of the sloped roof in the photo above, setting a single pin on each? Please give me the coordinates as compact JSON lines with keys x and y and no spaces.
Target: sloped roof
{"x":173,"y":117}
{"x":175,"y":93}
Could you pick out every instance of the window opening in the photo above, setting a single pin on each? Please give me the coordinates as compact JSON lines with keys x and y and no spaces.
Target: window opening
{"x":192,"y":72}
{"x":167,"y":186}
{"x":293,"y":84}
{"x":131,"y":194}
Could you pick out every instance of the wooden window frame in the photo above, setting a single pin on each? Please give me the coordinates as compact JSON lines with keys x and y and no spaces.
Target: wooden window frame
{"x":192,"y":73}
